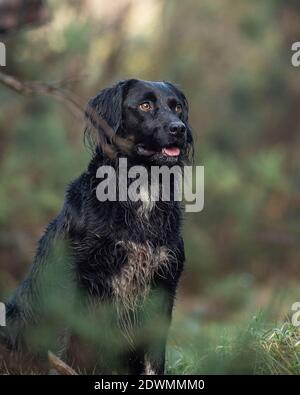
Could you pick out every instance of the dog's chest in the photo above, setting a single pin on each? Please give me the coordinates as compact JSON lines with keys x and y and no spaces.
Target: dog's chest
{"x":131,"y":284}
{"x":123,"y":269}
{"x":122,"y":261}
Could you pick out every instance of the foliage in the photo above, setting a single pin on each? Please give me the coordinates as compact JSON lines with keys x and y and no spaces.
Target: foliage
{"x":232,"y":59}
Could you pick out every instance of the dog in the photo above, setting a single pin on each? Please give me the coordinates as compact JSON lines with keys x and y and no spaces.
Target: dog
{"x":112,"y":266}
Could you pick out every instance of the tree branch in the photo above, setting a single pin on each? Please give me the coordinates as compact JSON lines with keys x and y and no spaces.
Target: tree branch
{"x":32,"y":88}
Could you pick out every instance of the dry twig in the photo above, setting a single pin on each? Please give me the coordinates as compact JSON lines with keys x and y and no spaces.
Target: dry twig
{"x":60,"y":366}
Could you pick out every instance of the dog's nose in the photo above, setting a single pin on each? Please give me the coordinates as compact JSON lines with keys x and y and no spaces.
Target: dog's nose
{"x":177,"y":128}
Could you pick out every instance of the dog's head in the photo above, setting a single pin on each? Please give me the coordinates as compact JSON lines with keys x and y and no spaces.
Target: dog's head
{"x":146,"y":121}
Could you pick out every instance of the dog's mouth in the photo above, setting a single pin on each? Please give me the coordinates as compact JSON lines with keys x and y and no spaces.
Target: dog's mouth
{"x":172,"y":151}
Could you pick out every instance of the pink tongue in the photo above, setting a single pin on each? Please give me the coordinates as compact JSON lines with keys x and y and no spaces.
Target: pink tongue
{"x":171,"y":151}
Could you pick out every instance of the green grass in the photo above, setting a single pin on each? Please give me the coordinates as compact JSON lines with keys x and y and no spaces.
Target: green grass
{"x":254,"y":349}
{"x":231,"y":350}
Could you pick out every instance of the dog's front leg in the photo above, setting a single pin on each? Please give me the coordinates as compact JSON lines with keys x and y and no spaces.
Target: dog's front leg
{"x":149,"y":355}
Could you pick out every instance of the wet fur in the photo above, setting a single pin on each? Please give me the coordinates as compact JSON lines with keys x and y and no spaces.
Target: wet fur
{"x":115,"y":253}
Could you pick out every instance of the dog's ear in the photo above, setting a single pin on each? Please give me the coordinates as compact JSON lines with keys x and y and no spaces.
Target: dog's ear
{"x":107,"y":105}
{"x":104,"y":114}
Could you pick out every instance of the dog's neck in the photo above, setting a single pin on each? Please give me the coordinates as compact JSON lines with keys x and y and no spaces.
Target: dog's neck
{"x":150,"y":193}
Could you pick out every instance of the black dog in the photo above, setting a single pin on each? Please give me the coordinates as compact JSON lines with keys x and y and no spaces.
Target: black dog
{"x":118,"y":262}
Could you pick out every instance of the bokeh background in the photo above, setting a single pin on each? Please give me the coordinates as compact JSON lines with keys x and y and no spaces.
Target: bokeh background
{"x":232,"y":58}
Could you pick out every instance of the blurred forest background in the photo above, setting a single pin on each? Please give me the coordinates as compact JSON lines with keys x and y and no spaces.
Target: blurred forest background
{"x":232,"y":58}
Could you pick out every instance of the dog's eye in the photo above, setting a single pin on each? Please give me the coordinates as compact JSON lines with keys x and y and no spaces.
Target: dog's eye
{"x":178,"y":108}
{"x":146,"y":106}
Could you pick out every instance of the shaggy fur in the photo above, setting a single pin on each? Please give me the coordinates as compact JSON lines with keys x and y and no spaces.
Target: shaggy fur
{"x":113,"y":266}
